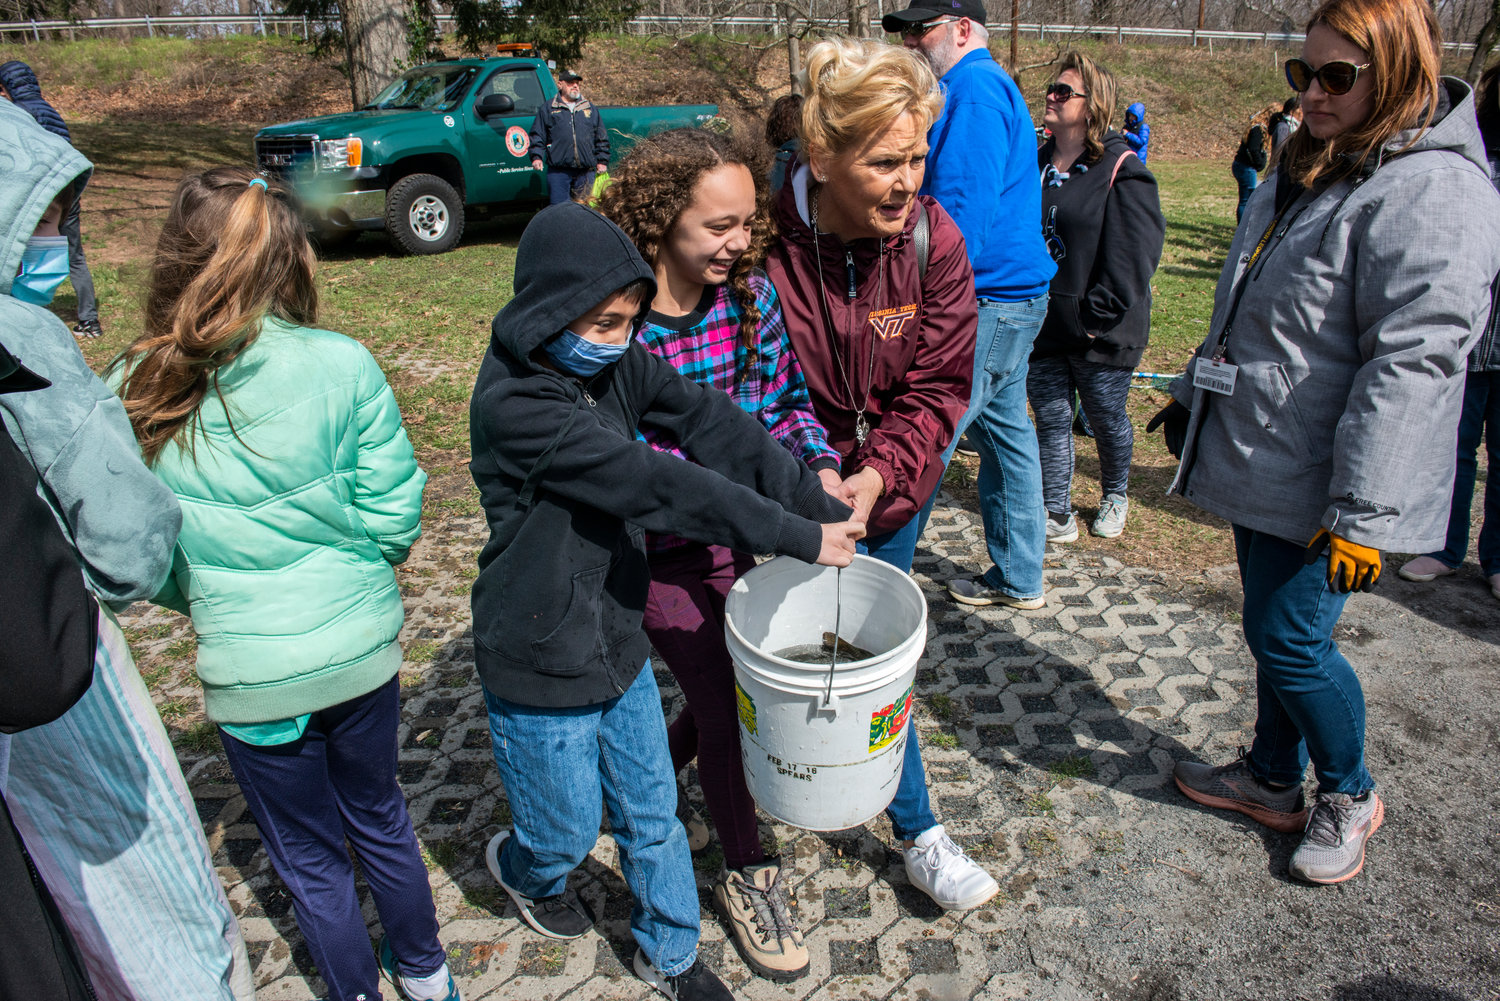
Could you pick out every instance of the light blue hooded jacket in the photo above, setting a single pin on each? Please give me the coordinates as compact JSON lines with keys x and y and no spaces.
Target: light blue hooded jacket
{"x":120,"y":518}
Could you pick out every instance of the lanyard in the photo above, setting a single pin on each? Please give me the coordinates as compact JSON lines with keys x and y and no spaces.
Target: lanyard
{"x":1239,"y":290}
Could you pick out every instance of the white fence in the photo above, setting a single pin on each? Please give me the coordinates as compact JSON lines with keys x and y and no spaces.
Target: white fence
{"x":644,"y":24}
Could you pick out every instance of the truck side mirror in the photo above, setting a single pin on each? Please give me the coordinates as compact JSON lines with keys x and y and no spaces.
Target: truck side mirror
{"x":491,"y":105}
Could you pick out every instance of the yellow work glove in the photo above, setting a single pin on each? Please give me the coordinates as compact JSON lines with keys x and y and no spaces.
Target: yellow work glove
{"x":1351,"y":567}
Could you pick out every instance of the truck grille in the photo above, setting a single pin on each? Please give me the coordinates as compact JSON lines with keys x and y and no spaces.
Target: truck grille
{"x":286,"y":155}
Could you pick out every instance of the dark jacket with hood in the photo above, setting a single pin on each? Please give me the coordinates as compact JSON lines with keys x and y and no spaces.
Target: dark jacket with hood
{"x":569,"y":138}
{"x":21,"y":84}
{"x":569,"y":492}
{"x":1109,"y":229}
{"x":905,"y":337}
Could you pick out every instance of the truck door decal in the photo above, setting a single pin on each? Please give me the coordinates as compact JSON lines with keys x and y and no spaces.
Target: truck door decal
{"x":517,"y":140}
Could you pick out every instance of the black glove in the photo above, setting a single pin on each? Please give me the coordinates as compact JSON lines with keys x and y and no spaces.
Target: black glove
{"x":1173,"y":421}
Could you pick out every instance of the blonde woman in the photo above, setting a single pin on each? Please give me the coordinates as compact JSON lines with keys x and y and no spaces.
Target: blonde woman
{"x":885,"y":335}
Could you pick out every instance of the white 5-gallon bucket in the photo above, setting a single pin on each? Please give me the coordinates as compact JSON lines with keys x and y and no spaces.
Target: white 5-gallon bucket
{"x":816,"y":758}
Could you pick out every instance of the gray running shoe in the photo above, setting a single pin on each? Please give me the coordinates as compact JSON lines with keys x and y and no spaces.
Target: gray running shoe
{"x":1110,"y":522}
{"x":1333,"y":849}
{"x":1232,"y":787}
{"x":976,"y":592}
{"x":1065,"y":532}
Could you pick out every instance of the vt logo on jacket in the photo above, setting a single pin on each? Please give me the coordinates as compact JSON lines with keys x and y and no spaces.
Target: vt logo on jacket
{"x":889,"y":323}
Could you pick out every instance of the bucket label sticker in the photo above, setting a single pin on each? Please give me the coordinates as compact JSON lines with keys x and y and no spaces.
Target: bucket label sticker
{"x":887,"y":724}
{"x":747,"y":709}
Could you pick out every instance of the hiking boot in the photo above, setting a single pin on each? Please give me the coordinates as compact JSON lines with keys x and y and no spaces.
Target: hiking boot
{"x":1110,"y":522}
{"x":402,"y":984}
{"x":1062,"y":531}
{"x":1424,"y":569}
{"x":1232,"y":787}
{"x":563,"y":915}
{"x":692,"y":822}
{"x":977,"y":592}
{"x":940,"y":869}
{"x":1333,"y":849}
{"x":88,"y":329}
{"x":754,"y":904}
{"x":696,"y":983}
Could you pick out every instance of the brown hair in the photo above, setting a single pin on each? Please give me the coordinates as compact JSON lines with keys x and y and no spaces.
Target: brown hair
{"x":654,"y":184}
{"x":783,"y":119}
{"x":857,"y":87}
{"x":1099,"y":85}
{"x":1404,"y":46}
{"x":1262,"y":120}
{"x":232,"y":251}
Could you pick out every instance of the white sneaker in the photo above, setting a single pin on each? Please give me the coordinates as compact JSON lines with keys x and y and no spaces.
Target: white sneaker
{"x":1110,"y":522}
{"x":940,"y":869}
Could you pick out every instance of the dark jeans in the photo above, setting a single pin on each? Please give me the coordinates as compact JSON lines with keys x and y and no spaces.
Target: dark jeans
{"x":685,"y":622}
{"x":78,"y":267}
{"x":1481,"y":418}
{"x":567,"y":183}
{"x":338,"y":781}
{"x":1309,"y":703}
{"x":1247,"y":178}
{"x":1103,"y":389}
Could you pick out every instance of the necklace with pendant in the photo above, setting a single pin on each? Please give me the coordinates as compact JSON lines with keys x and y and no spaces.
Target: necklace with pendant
{"x":861,"y":422}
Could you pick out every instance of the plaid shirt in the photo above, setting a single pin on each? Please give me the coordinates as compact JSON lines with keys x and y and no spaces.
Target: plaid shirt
{"x":706,"y":346}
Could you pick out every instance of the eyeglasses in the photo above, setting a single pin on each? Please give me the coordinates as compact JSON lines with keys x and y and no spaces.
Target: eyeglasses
{"x":1062,"y":92}
{"x":916,"y":31}
{"x":1055,"y":245}
{"x":1335,"y":78}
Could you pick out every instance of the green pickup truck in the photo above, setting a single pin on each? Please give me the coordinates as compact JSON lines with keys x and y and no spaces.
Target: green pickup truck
{"x":444,"y":141}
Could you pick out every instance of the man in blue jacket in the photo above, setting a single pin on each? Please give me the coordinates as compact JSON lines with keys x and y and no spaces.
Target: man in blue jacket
{"x":982,"y":169}
{"x":569,"y":133}
{"x":20,"y":85}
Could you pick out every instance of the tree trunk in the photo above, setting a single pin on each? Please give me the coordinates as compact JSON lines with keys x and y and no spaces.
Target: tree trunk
{"x":793,"y":49}
{"x":1483,"y":44}
{"x":859,"y":18}
{"x":374,"y":39}
{"x":1015,"y":35}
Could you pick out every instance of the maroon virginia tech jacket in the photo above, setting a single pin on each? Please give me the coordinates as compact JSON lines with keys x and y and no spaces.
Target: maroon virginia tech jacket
{"x":922,"y":331}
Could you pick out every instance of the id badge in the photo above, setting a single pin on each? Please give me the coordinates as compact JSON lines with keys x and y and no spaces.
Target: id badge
{"x":1215,"y":376}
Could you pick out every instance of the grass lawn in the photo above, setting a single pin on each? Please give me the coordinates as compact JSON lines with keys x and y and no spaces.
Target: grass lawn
{"x":427,"y":319}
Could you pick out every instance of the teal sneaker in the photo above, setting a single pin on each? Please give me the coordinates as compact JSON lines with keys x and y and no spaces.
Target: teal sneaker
{"x":387,"y":961}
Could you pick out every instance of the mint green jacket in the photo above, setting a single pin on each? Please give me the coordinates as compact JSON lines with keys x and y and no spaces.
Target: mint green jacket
{"x":296,"y":503}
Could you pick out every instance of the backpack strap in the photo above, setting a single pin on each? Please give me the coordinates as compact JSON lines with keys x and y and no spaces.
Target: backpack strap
{"x":1118,"y":162}
{"x":921,"y":235}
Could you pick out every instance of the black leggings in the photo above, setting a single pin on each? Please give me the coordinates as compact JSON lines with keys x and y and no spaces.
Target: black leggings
{"x":1102,"y":390}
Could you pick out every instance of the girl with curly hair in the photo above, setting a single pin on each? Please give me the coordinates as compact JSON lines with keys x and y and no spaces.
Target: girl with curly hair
{"x":695,"y":206}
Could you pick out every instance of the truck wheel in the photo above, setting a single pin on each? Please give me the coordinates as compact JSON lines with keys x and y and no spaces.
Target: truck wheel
{"x":424,"y":215}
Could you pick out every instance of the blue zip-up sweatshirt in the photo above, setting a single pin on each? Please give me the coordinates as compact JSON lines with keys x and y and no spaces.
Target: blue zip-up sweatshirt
{"x":982,"y":170}
{"x":1139,"y":137}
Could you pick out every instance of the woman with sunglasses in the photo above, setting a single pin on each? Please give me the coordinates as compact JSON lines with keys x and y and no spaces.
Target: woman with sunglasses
{"x":1103,"y":225}
{"x":1318,"y":416}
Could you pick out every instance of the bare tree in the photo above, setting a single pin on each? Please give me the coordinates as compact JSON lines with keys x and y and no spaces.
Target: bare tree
{"x":1484,"y":44}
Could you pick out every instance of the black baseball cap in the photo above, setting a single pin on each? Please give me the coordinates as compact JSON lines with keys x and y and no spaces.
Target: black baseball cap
{"x":570,"y":76}
{"x":928,"y":10}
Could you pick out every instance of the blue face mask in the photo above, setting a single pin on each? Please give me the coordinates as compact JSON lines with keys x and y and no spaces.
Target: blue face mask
{"x":44,"y":266}
{"x":579,"y":356}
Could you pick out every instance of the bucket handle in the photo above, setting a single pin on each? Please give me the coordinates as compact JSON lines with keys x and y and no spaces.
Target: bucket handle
{"x":829,"y":702}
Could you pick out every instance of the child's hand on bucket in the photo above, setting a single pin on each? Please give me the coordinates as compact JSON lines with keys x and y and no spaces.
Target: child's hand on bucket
{"x":838,"y":543}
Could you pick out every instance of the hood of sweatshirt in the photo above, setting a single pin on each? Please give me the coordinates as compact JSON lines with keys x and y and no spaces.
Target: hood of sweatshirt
{"x":1138,"y":110}
{"x":34,"y":166}
{"x":20,"y":81}
{"x":570,"y":259}
{"x":1453,"y":128}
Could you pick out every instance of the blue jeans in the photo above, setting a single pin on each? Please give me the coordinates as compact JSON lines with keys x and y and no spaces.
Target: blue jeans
{"x":567,"y":184}
{"x":557,"y":764}
{"x":1247,"y":178}
{"x":1481,"y":416}
{"x":338,"y":781}
{"x":1308,"y":699}
{"x":910,"y":811}
{"x":1010,"y":465}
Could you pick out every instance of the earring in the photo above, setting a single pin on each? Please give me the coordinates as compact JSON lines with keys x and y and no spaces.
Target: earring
{"x":823,"y":179}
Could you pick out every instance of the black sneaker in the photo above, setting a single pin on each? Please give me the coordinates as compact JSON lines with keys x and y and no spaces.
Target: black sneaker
{"x":696,"y":983}
{"x":564,"y":915}
{"x":88,"y":329}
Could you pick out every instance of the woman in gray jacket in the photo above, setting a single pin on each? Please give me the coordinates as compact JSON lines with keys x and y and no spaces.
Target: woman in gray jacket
{"x":1318,"y":416}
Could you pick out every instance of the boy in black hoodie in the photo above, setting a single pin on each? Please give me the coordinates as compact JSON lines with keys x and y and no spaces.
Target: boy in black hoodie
{"x":569,"y":492}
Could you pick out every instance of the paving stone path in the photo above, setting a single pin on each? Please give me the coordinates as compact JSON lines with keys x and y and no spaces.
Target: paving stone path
{"x":1049,"y":739}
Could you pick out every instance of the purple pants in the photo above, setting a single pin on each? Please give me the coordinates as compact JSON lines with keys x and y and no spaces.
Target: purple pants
{"x":685,"y":622}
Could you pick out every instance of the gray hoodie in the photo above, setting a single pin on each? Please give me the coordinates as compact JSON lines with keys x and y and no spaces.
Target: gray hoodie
{"x":119,"y":517}
{"x":1351,"y":338}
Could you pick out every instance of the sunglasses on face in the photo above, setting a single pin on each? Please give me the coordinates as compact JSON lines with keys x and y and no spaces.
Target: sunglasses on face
{"x":1335,"y":78}
{"x":1062,"y":92}
{"x":915,"y":31}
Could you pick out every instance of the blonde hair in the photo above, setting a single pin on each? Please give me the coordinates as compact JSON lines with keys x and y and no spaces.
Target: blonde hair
{"x":1404,"y":47}
{"x":1099,"y":85}
{"x":232,"y":251}
{"x":857,"y":87}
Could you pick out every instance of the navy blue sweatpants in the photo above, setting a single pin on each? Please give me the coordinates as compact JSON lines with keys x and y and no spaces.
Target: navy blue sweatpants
{"x":338,"y":781}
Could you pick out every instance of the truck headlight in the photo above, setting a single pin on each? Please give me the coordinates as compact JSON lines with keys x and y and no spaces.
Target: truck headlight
{"x":336,"y":153}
